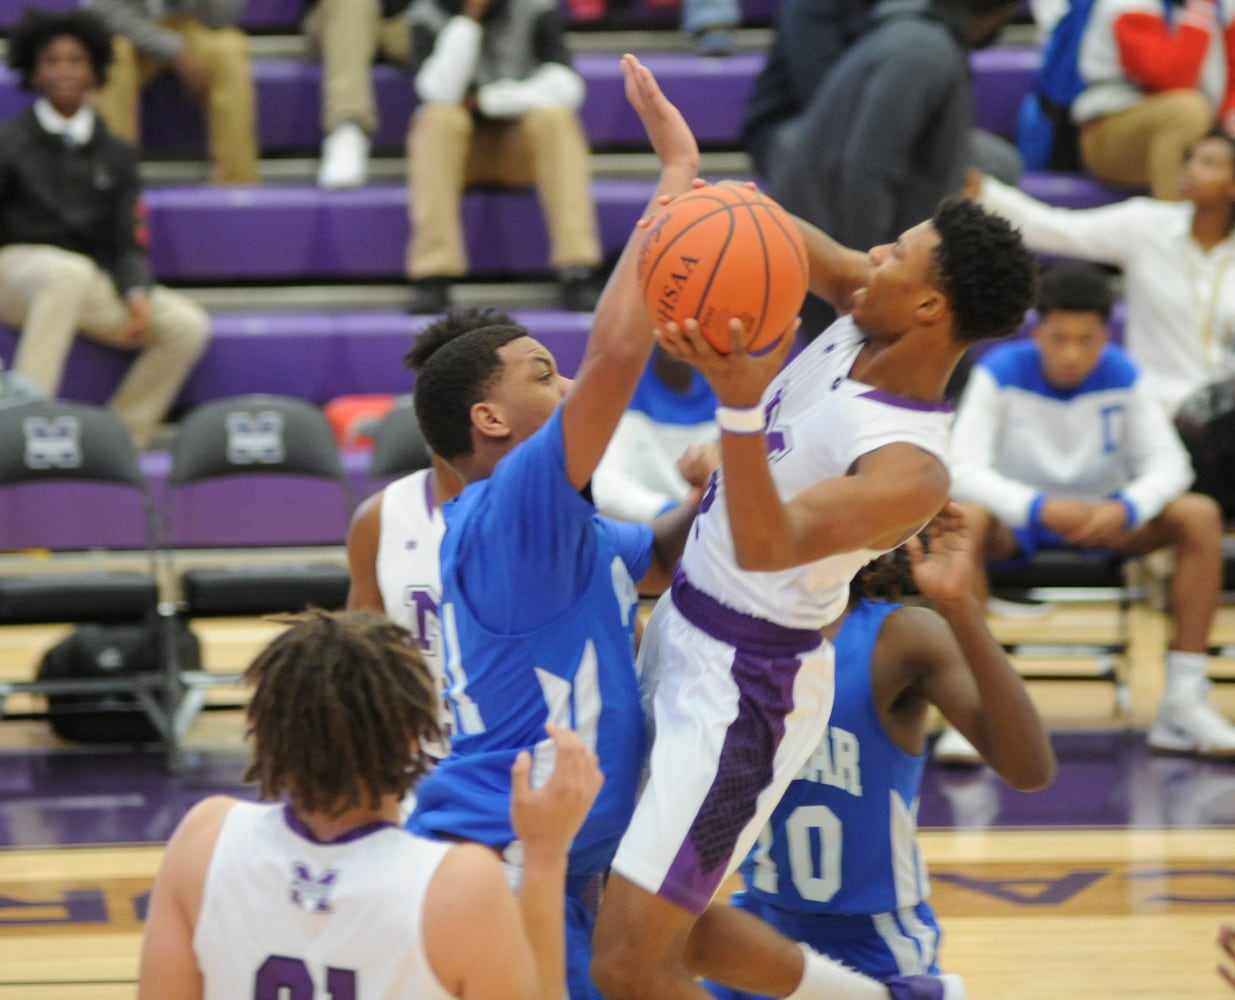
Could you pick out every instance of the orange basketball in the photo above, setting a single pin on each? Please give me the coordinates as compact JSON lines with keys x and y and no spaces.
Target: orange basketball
{"x":722,"y":252}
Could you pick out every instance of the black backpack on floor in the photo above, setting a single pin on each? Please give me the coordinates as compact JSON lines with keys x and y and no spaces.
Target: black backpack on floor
{"x":109,"y":651}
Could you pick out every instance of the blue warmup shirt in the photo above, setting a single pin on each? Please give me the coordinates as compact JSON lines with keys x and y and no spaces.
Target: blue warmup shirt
{"x":538,"y":612}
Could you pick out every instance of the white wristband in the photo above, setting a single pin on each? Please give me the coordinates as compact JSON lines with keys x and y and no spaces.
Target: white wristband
{"x":748,"y":420}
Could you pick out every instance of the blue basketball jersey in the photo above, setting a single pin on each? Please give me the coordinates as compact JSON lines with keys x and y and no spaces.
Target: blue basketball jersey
{"x":843,"y":840}
{"x":538,"y":612}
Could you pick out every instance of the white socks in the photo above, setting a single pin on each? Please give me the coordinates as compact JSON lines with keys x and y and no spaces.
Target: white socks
{"x":1186,"y":675}
{"x":825,"y":979}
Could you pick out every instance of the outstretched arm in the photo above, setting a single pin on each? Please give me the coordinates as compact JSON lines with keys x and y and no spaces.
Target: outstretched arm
{"x":966,"y":674}
{"x":621,"y":337}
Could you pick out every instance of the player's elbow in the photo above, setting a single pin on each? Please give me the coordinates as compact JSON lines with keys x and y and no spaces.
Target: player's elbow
{"x":1033,"y":772}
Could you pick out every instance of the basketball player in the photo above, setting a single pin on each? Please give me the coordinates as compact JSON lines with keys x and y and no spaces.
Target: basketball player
{"x":394,"y":537}
{"x":862,"y":898}
{"x":1226,"y":942}
{"x":825,"y":465}
{"x":327,"y":896}
{"x":539,"y":594}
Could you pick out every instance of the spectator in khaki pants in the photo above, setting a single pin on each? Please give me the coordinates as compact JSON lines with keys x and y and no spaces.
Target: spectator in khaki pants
{"x":499,"y":104}
{"x":198,"y":41}
{"x":70,"y":257}
{"x":348,"y":36}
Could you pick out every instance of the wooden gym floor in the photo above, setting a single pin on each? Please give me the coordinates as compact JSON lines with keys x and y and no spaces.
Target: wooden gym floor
{"x":1112,"y":883}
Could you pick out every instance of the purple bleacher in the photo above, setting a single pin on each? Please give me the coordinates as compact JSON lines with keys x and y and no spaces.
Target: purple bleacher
{"x":285,"y":16}
{"x":298,"y":232}
{"x":712,"y":94}
{"x":310,"y":356}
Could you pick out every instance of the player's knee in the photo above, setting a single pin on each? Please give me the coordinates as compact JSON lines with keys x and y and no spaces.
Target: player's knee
{"x":1198,"y":518}
{"x":622,"y":971}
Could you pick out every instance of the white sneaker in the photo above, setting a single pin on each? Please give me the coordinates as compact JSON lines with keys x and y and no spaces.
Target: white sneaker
{"x":1193,"y":727}
{"x":345,"y":158}
{"x":953,"y":748}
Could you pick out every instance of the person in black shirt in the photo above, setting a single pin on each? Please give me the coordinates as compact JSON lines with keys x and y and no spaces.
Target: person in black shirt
{"x":71,"y":254}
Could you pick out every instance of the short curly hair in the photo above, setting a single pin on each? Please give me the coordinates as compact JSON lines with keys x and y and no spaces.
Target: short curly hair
{"x":455,"y":378}
{"x":984,"y":268}
{"x":36,"y":29}
{"x":456,"y":322}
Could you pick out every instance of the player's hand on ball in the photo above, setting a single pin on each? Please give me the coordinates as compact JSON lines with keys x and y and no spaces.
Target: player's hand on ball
{"x":738,"y":378}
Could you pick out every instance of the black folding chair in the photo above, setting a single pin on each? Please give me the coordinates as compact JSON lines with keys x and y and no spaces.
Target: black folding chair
{"x":399,"y":447}
{"x":1067,"y":577}
{"x":267,"y":449}
{"x":56,"y":451}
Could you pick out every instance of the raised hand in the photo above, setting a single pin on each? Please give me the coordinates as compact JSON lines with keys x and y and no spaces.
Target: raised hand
{"x":671,"y":138}
{"x":548,"y":817}
{"x":945,"y":572}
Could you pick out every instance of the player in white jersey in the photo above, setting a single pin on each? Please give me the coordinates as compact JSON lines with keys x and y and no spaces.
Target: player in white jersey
{"x":825,"y":465}
{"x":838,"y":866}
{"x":395,"y":535}
{"x":327,"y":895}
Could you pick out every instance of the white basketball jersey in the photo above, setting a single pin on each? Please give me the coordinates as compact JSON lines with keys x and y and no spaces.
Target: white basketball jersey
{"x":820,"y":422}
{"x":409,"y":573}
{"x":285,"y":916}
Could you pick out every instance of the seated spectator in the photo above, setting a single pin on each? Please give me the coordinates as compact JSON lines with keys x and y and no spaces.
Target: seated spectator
{"x":348,"y":36}
{"x":198,"y":41}
{"x":888,"y":133}
{"x":1157,"y":79}
{"x":1057,"y":445}
{"x":810,"y":37}
{"x":70,"y":256}
{"x":656,"y":455}
{"x":499,"y":105}
{"x":1177,"y":261}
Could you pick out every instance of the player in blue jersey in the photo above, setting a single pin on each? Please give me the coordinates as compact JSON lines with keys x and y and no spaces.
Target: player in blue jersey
{"x":838,"y":867}
{"x":539,"y":594}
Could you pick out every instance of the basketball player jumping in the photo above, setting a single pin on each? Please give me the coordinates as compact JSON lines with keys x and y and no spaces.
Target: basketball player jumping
{"x":328,"y":895}
{"x":837,"y":458}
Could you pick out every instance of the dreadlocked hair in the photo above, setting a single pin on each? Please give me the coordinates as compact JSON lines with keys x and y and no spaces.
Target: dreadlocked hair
{"x":338,"y":699}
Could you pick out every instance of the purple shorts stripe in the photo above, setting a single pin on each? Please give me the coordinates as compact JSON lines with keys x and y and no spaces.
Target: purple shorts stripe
{"x":765,"y":696}
{"x":736,"y":628}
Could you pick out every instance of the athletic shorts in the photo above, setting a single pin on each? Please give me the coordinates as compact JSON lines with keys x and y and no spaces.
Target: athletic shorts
{"x":739,"y":704}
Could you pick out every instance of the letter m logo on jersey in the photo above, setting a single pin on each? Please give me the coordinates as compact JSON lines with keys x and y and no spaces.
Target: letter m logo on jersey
{"x":255,"y":438}
{"x":53,"y":443}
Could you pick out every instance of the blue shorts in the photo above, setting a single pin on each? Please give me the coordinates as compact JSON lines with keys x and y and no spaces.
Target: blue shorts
{"x":901,"y":943}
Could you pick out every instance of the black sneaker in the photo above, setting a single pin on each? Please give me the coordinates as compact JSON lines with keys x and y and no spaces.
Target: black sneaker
{"x":429,"y":296}
{"x":580,"y":288}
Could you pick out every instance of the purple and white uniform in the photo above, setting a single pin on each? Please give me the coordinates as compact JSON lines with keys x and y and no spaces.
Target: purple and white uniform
{"x":409,"y":573}
{"x":285,"y":915}
{"x":742,"y":678}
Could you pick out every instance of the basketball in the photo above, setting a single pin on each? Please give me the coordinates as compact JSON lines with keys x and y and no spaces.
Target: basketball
{"x":724,"y":252}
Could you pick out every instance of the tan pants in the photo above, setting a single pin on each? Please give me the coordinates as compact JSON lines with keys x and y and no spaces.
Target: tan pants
{"x":1146,"y":143}
{"x":448,"y":150}
{"x":230,"y":102}
{"x":349,"y":35}
{"x":53,"y":294}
